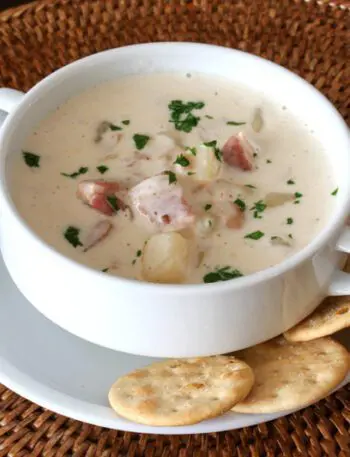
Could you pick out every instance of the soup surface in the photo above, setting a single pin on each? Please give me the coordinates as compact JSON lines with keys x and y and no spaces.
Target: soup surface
{"x":174,"y":178}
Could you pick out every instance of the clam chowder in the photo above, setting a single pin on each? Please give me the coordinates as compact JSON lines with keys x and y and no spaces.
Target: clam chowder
{"x":174,"y":178}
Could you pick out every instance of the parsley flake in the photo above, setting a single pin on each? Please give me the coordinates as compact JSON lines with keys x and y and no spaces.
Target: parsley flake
{"x":207,"y":207}
{"x":171,"y":175}
{"x":210,"y":144}
{"x":31,"y":159}
{"x":181,"y":114}
{"x":81,"y":171}
{"x":255,"y":235}
{"x":71,"y":234}
{"x":290,"y":182}
{"x":258,"y":208}
{"x":235,"y":123}
{"x":208,"y":117}
{"x":193,"y":150}
{"x":182,"y":160}
{"x":268,"y":161}
{"x":114,"y":127}
{"x":250,"y":186}
{"x":126,"y":122}
{"x":240,"y":203}
{"x":222,"y":274}
{"x":217,"y":152}
{"x":298,"y":195}
{"x":290,"y":220}
{"x":335,"y":191}
{"x":140,"y":140}
{"x":102,"y":169}
{"x":104,"y":270}
{"x":139,"y":253}
{"x":113,"y":202}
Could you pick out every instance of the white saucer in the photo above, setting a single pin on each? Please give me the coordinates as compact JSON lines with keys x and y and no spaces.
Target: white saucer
{"x":70,"y":376}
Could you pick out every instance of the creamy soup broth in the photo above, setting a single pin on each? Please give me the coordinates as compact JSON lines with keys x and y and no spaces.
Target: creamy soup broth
{"x":241,"y":181}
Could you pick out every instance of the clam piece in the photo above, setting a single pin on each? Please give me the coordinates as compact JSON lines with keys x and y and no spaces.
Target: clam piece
{"x":98,"y":232}
{"x":273,"y":199}
{"x":281,"y":241}
{"x":257,"y":123}
{"x":205,"y":225}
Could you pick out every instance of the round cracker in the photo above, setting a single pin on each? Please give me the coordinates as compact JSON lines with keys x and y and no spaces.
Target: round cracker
{"x":332,"y":315}
{"x":181,"y":391}
{"x":292,"y":375}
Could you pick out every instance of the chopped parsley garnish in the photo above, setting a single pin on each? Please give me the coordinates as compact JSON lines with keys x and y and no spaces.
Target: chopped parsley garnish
{"x":290,"y":220}
{"x":81,"y":171}
{"x":222,"y":274}
{"x":240,"y":203}
{"x":113,"y":202}
{"x":258,"y":208}
{"x":31,"y":159}
{"x":102,"y":169}
{"x":268,"y":161}
{"x":126,"y":122}
{"x":208,"y":117}
{"x":72,"y":236}
{"x":298,"y":195}
{"x":290,"y":181}
{"x":255,"y":154}
{"x":290,"y":236}
{"x":114,"y":127}
{"x":250,"y":186}
{"x":133,"y":262}
{"x":182,"y":160}
{"x":139,"y":253}
{"x":217,"y":152}
{"x":140,"y":140}
{"x":235,"y":123}
{"x":335,"y":191}
{"x":193,"y":150}
{"x":207,"y":207}
{"x":190,"y":173}
{"x":181,"y":114}
{"x":104,"y":270}
{"x":171,"y":176}
{"x":210,"y":144}
{"x":255,"y":235}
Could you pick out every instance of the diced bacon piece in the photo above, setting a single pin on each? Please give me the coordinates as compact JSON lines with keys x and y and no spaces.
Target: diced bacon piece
{"x":96,"y":193}
{"x":162,"y":203}
{"x":236,"y":219}
{"x":230,"y":214}
{"x":98,"y":232}
{"x":238,"y":152}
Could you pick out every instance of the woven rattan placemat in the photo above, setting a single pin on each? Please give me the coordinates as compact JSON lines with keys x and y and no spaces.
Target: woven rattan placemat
{"x":310,"y":38}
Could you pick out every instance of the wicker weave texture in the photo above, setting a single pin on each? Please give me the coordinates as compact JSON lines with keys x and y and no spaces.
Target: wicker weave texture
{"x":311,"y":39}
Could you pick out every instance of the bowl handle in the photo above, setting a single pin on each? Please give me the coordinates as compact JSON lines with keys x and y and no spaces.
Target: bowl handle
{"x":340,"y":284}
{"x":9,"y":99}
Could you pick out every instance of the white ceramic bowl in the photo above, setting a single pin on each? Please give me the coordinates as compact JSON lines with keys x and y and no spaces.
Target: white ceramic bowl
{"x":174,"y":320}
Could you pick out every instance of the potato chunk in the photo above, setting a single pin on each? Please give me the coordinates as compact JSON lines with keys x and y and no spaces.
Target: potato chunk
{"x":165,"y":258}
{"x":207,"y":164}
